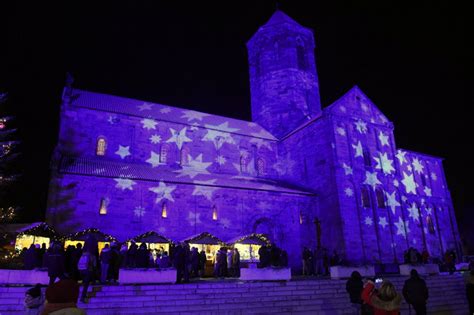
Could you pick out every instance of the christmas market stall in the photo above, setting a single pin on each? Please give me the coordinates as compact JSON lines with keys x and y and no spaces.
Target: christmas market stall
{"x":35,"y":233}
{"x":154,"y":241}
{"x":249,"y":245}
{"x":210,"y":244}
{"x":89,"y":234}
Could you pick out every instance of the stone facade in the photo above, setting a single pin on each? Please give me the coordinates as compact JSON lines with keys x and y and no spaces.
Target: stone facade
{"x":128,"y":167}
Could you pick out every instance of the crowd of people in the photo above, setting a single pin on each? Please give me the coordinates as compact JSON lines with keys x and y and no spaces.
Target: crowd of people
{"x":272,"y":255}
{"x":317,"y":262}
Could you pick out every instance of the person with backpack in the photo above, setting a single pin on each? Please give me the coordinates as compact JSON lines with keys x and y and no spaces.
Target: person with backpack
{"x":87,"y":266}
{"x":415,"y":292}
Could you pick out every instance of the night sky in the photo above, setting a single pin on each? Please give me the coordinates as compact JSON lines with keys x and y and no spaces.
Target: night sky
{"x":411,"y":60}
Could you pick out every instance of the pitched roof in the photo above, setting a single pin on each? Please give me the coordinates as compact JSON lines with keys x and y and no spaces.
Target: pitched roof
{"x":138,"y":171}
{"x":280,"y":17}
{"x":137,"y":108}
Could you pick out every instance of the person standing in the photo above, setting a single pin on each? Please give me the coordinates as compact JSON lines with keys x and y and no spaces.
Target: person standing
{"x":114,"y":264}
{"x":105,"y":255}
{"x":55,"y":263}
{"x":202,"y":262}
{"x":385,"y":301}
{"x":178,"y":262}
{"x":354,"y":287}
{"x":236,"y":263}
{"x":415,"y":292}
{"x":230,"y":269}
{"x":87,"y":266}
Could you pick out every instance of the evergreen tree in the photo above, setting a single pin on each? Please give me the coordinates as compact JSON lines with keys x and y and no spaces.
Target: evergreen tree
{"x":9,"y":165}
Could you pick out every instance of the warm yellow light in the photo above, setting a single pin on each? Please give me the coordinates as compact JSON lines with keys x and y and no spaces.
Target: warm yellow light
{"x":164,"y":211}
{"x":101,"y":146}
{"x":214,"y":213}
{"x":103,"y":206}
{"x":301,"y":218}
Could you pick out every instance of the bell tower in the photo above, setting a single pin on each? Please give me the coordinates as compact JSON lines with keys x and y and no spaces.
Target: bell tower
{"x":283,"y":81}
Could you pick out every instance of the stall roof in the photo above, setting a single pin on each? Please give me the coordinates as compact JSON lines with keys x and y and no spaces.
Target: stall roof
{"x":39,"y":229}
{"x":84,"y":235}
{"x":204,"y":238}
{"x":254,"y":238}
{"x":151,"y":237}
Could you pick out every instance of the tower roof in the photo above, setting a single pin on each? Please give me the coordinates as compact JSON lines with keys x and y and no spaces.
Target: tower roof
{"x":279,"y":17}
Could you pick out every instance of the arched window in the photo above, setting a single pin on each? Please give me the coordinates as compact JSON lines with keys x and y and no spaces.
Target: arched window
{"x":214,"y":213}
{"x":164,"y":210}
{"x":244,"y":163}
{"x":165,"y":148}
{"x":301,"y":55}
{"x":365,"y":197}
{"x":367,"y":158}
{"x":103,"y":206}
{"x":101,"y":146}
{"x":260,"y":166}
{"x":184,"y":156}
{"x":429,"y":223}
{"x":379,"y":194}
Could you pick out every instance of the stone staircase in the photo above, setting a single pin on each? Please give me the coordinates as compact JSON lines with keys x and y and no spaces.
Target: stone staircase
{"x":299,"y":296}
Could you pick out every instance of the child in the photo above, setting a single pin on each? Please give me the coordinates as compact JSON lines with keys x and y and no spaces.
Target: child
{"x":34,"y":300}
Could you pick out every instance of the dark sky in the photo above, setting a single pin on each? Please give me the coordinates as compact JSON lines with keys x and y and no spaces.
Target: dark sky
{"x":411,"y":59}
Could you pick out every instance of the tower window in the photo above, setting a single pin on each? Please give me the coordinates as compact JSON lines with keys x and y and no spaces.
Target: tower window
{"x":365,"y":197}
{"x":301,"y":57}
{"x":244,"y":163}
{"x":164,"y":153}
{"x":367,"y":158}
{"x":101,"y":146}
{"x":380,"y":198}
{"x":184,"y":156}
{"x":429,"y":223}
{"x":260,"y":166}
{"x":164,"y":210}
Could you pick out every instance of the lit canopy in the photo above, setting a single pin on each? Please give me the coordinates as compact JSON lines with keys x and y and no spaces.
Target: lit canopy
{"x":204,"y":238}
{"x":253,"y":239}
{"x":96,"y":233}
{"x":39,"y":229}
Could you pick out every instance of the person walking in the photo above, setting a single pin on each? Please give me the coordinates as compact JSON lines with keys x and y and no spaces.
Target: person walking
{"x":415,"y":292}
{"x":384,"y":301}
{"x":87,"y":266}
{"x":354,"y":287}
{"x":55,"y":263}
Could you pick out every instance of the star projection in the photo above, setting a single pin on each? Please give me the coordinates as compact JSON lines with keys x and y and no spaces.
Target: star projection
{"x":182,"y":172}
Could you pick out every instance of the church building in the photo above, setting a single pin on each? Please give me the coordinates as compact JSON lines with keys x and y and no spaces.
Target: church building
{"x":299,"y":172}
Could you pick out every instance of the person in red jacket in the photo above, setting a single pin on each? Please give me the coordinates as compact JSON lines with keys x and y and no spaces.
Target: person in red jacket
{"x":384,"y":301}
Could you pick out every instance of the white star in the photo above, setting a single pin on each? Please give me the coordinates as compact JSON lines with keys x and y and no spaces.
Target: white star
{"x":191,"y":115}
{"x":361,"y":126}
{"x":194,"y":168}
{"x":225,"y":223}
{"x":259,"y":142}
{"x":149,"y":123}
{"x":341,"y":131}
{"x":371,"y":179}
{"x":409,"y":182}
{"x":401,"y":226}
{"x":392,"y":201}
{"x":218,"y":138}
{"x":165,"y":110}
{"x":418,"y":166}
{"x":358,"y":149}
{"x":347,"y":169}
{"x":163,"y":192}
{"x":383,"y":222}
{"x":201,"y":188}
{"x":194,"y":218}
{"x":112,"y":120}
{"x":413,"y":212}
{"x":384,"y":163}
{"x":342,"y":108}
{"x":429,"y":211}
{"x":139,"y":211}
{"x":409,"y":168}
{"x":368,"y":221}
{"x":401,"y":156}
{"x":396,"y":183}
{"x":427,"y":191}
{"x":154,"y":159}
{"x":364,"y":106}
{"x":155,"y":139}
{"x":433,"y":176}
{"x":348,"y":191}
{"x":194,"y":126}
{"x":145,"y":106}
{"x":123,"y":151}
{"x":124,"y":183}
{"x":383,"y":139}
{"x":179,"y":137}
{"x":220,"y":160}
